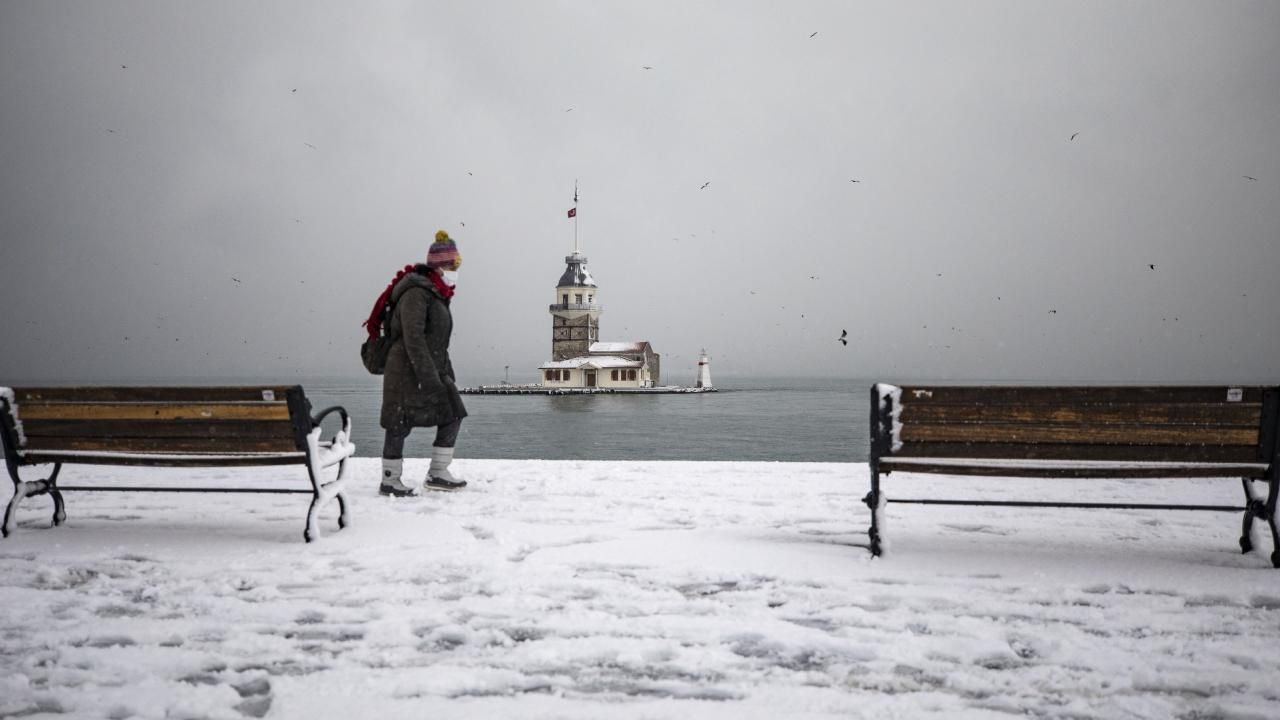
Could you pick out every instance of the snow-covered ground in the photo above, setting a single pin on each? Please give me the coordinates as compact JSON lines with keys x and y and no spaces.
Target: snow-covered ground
{"x":556,"y":589}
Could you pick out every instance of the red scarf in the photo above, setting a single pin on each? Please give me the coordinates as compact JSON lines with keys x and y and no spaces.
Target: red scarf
{"x":446,"y":290}
{"x":383,"y":303}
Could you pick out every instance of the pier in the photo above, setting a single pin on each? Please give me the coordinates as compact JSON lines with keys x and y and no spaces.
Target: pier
{"x":542,"y":390}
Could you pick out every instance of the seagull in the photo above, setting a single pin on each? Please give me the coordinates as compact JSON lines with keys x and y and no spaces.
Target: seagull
{"x":646,"y":67}
{"x":857,"y":181}
{"x":814,"y":33}
{"x":313,"y":147}
{"x":843,"y":334}
{"x":1152,"y":266}
{"x":1053,"y":312}
{"x":236,"y":279}
{"x":1246,"y":177}
{"x":1073,"y":136}
{"x":704,"y":185}
{"x":294,"y":90}
{"x":124,"y":67}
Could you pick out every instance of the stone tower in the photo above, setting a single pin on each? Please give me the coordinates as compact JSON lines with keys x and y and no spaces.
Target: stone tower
{"x":575,"y":315}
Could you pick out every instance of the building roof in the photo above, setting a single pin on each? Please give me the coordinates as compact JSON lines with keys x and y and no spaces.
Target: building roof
{"x":576,"y":274}
{"x":597,"y":362}
{"x":608,"y":348}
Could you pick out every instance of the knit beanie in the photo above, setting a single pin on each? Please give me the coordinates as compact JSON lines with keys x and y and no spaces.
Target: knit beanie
{"x":443,"y":253}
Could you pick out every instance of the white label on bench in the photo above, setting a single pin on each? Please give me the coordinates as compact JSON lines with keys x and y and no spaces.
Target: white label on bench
{"x":269,"y":395}
{"x":922,"y":393}
{"x":1235,"y":394}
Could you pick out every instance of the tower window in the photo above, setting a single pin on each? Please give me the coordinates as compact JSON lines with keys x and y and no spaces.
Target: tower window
{"x":564,"y":299}
{"x":590,"y":298}
{"x":577,"y":298}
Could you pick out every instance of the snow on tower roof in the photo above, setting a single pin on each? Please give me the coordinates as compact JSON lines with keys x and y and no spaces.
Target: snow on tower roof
{"x":632,"y":346}
{"x":576,"y":273}
{"x":598,"y":362}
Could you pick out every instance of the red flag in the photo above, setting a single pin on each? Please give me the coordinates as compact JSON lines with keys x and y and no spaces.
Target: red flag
{"x":573,"y":212}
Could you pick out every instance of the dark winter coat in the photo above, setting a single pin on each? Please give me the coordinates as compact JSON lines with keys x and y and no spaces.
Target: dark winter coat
{"x":418,"y":387}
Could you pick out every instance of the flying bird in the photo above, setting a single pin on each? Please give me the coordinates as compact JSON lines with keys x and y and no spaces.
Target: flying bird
{"x":704,"y":185}
{"x":646,"y":67}
{"x":294,"y":90}
{"x":313,"y":147}
{"x":843,"y":334}
{"x":814,"y":33}
{"x":236,"y":279}
{"x":1152,"y":266}
{"x":1073,"y":136}
{"x":1246,"y":177}
{"x":1053,"y":312}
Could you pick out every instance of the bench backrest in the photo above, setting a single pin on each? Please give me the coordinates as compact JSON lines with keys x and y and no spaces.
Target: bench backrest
{"x":155,"y":425}
{"x":1130,"y":424}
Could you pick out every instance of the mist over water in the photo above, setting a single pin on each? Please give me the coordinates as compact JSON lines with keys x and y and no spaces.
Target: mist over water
{"x":800,"y":420}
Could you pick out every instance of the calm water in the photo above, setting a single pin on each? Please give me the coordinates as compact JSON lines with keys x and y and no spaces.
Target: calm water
{"x":758,"y":420}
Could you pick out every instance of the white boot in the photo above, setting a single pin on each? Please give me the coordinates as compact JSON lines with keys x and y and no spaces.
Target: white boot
{"x":438,"y":475}
{"x":391,"y":485}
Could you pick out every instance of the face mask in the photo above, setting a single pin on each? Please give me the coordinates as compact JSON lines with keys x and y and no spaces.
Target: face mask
{"x":450,"y":277}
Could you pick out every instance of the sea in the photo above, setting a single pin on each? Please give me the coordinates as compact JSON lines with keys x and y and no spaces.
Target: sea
{"x":748,"y":419}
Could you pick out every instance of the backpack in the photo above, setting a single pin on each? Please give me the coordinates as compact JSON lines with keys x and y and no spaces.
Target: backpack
{"x":374,"y":350}
{"x":373,"y":353}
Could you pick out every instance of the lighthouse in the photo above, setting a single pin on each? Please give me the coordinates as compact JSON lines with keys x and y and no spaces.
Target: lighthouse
{"x":704,"y":372}
{"x":575,"y":316}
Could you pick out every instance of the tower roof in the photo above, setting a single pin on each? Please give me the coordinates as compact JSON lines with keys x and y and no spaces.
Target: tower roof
{"x":576,"y":273}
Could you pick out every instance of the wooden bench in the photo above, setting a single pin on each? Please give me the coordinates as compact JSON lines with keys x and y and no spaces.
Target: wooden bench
{"x":170,"y":427}
{"x":1079,"y":432}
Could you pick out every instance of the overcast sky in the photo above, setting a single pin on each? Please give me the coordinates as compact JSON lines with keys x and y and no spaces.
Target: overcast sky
{"x":220,"y":189}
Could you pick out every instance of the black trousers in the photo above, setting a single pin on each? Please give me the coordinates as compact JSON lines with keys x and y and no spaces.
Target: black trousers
{"x":446,"y":436}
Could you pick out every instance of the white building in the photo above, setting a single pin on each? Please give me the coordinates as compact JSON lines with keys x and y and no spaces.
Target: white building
{"x":578,"y":358}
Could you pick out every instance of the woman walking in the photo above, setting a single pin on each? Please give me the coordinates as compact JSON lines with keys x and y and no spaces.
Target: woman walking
{"x":418,"y":387}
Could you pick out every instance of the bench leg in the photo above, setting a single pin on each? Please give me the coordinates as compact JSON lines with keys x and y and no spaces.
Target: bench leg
{"x":1252,"y":509}
{"x":23,"y":489}
{"x":873,"y":501}
{"x":1273,"y":495}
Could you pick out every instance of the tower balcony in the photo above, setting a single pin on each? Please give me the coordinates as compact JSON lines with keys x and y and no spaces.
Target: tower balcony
{"x":576,"y":307}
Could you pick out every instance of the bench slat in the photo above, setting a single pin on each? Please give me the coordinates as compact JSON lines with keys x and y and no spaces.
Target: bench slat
{"x":160,"y":429}
{"x":149,"y":394}
{"x":1067,"y":451}
{"x":1198,"y":414}
{"x":889,"y":465}
{"x":160,"y":445}
{"x":153,"y":411}
{"x":1068,"y":395}
{"x":168,"y":461}
{"x":1080,"y":434}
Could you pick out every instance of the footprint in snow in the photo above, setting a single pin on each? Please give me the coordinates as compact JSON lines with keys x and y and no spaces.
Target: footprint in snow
{"x":479,"y":533}
{"x":981,"y":529}
{"x":1265,"y":602}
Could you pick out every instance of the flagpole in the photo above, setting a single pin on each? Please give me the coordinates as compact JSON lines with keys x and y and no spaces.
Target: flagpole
{"x":575,"y":217}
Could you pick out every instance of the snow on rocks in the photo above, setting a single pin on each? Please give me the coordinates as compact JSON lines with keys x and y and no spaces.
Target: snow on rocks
{"x":633,"y":590}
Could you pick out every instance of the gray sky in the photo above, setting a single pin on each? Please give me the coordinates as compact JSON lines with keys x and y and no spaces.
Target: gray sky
{"x":221,"y":189}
